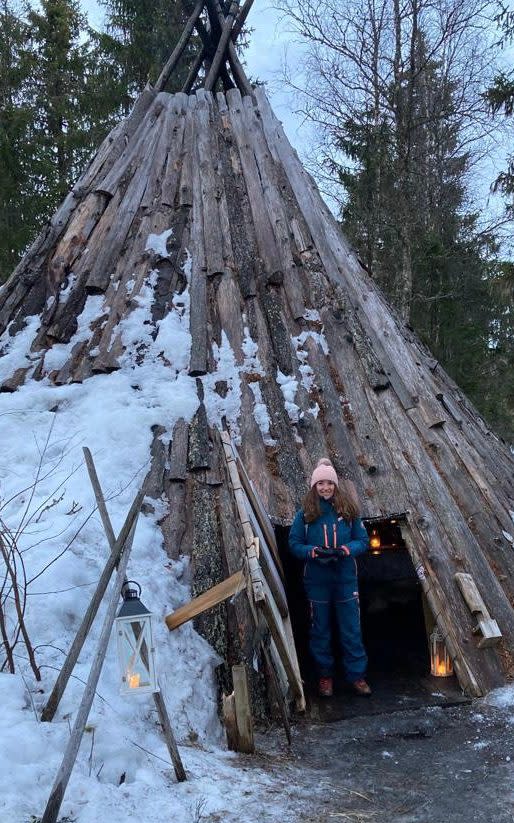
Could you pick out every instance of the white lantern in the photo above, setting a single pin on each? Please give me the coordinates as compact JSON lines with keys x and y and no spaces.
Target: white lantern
{"x":440,"y":661}
{"x":135,"y":645}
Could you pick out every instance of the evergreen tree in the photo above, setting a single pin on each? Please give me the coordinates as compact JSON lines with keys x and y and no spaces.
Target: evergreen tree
{"x":140,"y":37}
{"x":18,"y":210}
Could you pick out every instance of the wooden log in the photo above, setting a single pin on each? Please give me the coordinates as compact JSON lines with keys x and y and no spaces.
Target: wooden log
{"x":261,"y":219}
{"x":177,"y":466}
{"x":105,"y":257}
{"x":226,"y":34}
{"x":53,"y":806}
{"x":170,"y":184}
{"x":157,"y":170}
{"x":486,"y":626}
{"x":274,"y":200}
{"x":243,"y":711}
{"x":222,"y":591}
{"x":177,"y":52}
{"x":198,"y":441}
{"x":206,"y":187}
{"x":135,"y":149}
{"x":186,"y":178}
{"x":235,"y":208}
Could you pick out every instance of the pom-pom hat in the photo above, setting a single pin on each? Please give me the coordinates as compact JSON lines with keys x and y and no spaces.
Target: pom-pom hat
{"x":324,"y":471}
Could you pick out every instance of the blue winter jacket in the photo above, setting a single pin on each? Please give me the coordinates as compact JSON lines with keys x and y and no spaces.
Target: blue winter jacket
{"x":329,"y":530}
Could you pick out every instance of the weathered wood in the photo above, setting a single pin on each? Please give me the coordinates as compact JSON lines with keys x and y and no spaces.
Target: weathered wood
{"x":177,"y":466}
{"x":229,"y":587}
{"x":179,"y":48}
{"x":488,"y":628}
{"x":261,"y":218}
{"x":206,"y":187}
{"x":162,"y":711}
{"x":243,"y":710}
{"x":226,"y":34}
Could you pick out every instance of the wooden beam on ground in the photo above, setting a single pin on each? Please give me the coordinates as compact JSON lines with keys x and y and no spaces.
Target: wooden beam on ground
{"x":227,"y":588}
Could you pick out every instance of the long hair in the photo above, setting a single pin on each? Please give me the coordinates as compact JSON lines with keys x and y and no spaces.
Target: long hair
{"x":344,"y":501}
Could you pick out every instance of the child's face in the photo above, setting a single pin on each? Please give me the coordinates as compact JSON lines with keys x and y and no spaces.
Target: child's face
{"x":325,"y":489}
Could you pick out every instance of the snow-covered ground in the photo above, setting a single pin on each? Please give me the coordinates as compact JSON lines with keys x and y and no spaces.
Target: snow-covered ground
{"x":47,"y":504}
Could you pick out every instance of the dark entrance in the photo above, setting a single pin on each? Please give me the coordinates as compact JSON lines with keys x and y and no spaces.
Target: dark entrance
{"x":395,"y":625}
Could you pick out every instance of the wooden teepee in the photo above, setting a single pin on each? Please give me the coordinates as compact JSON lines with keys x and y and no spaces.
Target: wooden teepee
{"x":335,"y":373}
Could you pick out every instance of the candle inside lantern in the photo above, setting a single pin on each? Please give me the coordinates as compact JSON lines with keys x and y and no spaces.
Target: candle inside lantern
{"x":374,"y":542}
{"x":134,"y":681}
{"x":441,"y":662}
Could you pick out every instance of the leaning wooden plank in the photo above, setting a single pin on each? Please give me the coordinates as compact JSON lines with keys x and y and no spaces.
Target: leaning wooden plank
{"x":232,"y":585}
{"x":260,"y":512}
{"x":51,"y":812}
{"x":275,"y":625}
{"x":244,"y":721}
{"x":229,"y":721}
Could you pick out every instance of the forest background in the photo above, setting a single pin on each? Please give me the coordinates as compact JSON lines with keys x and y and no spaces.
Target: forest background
{"x":408,"y":100}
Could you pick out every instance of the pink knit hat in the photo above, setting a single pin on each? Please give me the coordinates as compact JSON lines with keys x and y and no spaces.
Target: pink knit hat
{"x":324,"y":471}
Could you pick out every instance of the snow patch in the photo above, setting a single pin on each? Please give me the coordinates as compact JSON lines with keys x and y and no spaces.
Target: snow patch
{"x":261,"y":415}
{"x":288,"y":387}
{"x":56,"y":357}
{"x":157,"y":243}
{"x":15,"y":350}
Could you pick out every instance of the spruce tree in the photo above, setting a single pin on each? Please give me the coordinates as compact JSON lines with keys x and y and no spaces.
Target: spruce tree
{"x":19,"y":201}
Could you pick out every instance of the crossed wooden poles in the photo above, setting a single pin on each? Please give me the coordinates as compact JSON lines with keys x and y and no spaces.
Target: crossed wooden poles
{"x":218,"y":46}
{"x":118,"y":559}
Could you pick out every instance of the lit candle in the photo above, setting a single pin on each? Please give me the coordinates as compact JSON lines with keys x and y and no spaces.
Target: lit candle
{"x":134,"y":680}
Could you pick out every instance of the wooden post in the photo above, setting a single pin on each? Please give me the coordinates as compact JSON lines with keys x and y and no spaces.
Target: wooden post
{"x":243,"y":712}
{"x":179,"y":48}
{"x":63,"y":775}
{"x":117,"y":546}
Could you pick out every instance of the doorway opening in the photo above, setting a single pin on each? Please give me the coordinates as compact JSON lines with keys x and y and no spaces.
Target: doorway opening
{"x":396,"y":624}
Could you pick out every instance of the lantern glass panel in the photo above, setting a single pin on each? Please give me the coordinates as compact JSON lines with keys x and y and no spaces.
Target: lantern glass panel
{"x":440,"y":660}
{"x":136,"y":655}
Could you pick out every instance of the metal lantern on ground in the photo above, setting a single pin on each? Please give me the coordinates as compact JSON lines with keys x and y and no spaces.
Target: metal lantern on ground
{"x":440,"y":661}
{"x":135,"y":644}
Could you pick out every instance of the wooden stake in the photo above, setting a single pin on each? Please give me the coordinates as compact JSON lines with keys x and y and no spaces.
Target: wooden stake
{"x":243,"y":712}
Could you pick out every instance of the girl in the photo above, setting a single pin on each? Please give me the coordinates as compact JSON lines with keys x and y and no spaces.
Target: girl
{"x":328,"y":534}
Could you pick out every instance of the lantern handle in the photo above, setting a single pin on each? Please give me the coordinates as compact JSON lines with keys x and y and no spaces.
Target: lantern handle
{"x":125,"y":589}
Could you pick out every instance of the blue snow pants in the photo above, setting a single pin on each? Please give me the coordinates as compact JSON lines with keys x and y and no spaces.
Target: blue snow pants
{"x":328,"y":595}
